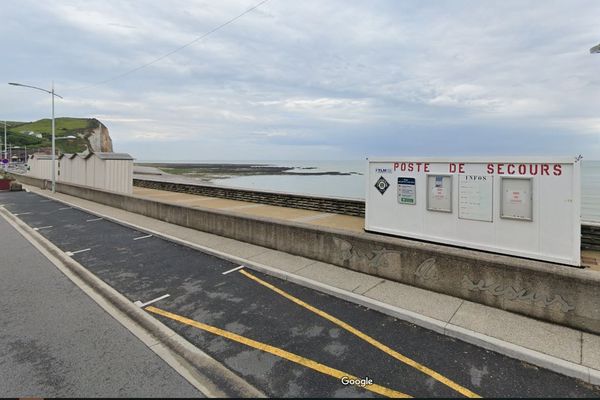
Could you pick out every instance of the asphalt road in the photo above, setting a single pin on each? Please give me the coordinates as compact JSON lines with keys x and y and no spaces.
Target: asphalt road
{"x":57,"y":342}
{"x":285,"y":339}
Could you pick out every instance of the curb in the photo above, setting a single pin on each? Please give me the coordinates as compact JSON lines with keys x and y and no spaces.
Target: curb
{"x":209,"y":376}
{"x":508,"y":349}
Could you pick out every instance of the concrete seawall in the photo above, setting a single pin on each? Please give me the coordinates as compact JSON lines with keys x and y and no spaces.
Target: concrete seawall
{"x":324,"y":204}
{"x":590,"y":235}
{"x":550,"y":292}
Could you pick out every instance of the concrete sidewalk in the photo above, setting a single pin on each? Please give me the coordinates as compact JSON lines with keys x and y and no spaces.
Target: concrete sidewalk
{"x":565,"y":350}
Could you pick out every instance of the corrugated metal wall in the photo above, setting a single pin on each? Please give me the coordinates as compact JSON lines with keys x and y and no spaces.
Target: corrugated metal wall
{"x":112,"y":175}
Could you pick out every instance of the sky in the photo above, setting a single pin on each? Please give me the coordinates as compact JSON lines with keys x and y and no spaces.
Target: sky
{"x":312,"y":79}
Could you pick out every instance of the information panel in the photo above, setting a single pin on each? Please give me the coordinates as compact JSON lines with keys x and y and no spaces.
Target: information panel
{"x":407,"y":193}
{"x":439,"y":193}
{"x":475,"y":197}
{"x":521,"y":206}
{"x":517,"y":194}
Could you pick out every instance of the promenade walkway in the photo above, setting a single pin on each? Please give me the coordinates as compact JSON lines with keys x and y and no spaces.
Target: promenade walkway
{"x":566,"y":350}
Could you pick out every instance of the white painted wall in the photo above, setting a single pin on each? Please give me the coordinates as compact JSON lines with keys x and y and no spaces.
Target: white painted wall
{"x":553,"y":233}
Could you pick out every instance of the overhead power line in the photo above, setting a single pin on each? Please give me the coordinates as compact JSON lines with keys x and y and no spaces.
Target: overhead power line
{"x":133,"y":70}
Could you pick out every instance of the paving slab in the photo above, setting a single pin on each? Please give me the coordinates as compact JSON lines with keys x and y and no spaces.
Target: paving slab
{"x":283,"y":261}
{"x":355,"y":224}
{"x":430,"y":304}
{"x":591,"y":351}
{"x":554,"y":340}
{"x":284,"y":213}
{"x":341,"y":278}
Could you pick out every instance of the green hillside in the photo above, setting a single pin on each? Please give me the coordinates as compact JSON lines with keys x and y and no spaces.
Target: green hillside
{"x":17,"y":133}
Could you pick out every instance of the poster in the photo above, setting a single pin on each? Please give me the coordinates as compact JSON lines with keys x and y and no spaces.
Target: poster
{"x":517,"y":194}
{"x":475,"y":197}
{"x":439,"y":193}
{"x":406,"y":191}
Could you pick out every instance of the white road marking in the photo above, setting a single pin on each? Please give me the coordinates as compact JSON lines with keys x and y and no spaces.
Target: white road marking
{"x":92,"y":220}
{"x":233,"y":270}
{"x":142,"y":237}
{"x":45,"y":201}
{"x":142,"y":305}
{"x":25,"y":213}
{"x":71,"y":253}
{"x":65,"y":208}
{"x":42,"y":227}
{"x":6,"y":204}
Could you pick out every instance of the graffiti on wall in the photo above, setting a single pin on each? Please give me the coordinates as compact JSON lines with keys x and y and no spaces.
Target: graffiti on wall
{"x":510,"y":293}
{"x":373,"y":257}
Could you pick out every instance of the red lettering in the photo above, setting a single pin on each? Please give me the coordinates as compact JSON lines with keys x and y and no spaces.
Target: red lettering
{"x":461,"y":168}
{"x":522,"y":169}
{"x":545,"y":169}
{"x":426,"y":169}
{"x":533,"y":171}
{"x":396,"y":165}
{"x":500,"y":171}
{"x":452,"y":168}
{"x":418,"y":167}
{"x":510,"y":168}
{"x":403,"y":167}
{"x":557,"y":169}
{"x":410,"y":167}
{"x":490,"y":168}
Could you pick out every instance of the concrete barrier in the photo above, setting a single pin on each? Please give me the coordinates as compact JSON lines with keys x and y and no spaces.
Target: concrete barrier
{"x":550,"y":292}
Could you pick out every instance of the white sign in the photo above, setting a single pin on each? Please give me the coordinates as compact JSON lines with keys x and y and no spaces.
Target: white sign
{"x":475,"y":200}
{"x":526,"y":207}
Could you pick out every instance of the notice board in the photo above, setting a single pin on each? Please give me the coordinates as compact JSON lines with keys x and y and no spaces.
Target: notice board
{"x":475,"y":197}
{"x":526,"y":206}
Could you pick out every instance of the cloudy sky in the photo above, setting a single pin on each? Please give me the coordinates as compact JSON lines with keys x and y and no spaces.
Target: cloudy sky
{"x":313,"y":79}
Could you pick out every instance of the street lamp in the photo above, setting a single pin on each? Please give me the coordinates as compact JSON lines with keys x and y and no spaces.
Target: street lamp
{"x":595,"y":49}
{"x":5,"y":165}
{"x":53,"y":128}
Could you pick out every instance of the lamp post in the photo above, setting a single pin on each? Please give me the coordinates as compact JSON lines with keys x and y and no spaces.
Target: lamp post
{"x":595,"y":49}
{"x":51,"y":92}
{"x":4,"y":155}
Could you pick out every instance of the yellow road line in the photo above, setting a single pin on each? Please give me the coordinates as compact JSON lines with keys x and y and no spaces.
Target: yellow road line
{"x":440,"y":378}
{"x":275,"y":351}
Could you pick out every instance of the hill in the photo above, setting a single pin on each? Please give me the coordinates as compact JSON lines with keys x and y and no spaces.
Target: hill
{"x":90,"y":134}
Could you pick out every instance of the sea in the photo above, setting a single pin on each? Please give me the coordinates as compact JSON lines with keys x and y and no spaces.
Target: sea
{"x":353,"y":185}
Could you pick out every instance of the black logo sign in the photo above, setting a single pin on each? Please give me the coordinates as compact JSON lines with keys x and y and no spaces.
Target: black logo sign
{"x":382,"y":185}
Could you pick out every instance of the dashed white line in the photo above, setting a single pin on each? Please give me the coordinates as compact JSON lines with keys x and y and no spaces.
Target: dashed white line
{"x":42,"y":227}
{"x":92,"y":220}
{"x":142,"y":305}
{"x":25,"y":213}
{"x":45,"y":201}
{"x":71,"y":253}
{"x":233,"y":270}
{"x":64,"y":208}
{"x":142,"y":237}
{"x":6,"y":204}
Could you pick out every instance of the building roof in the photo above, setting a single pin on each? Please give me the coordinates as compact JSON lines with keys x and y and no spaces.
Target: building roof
{"x":113,"y":156}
